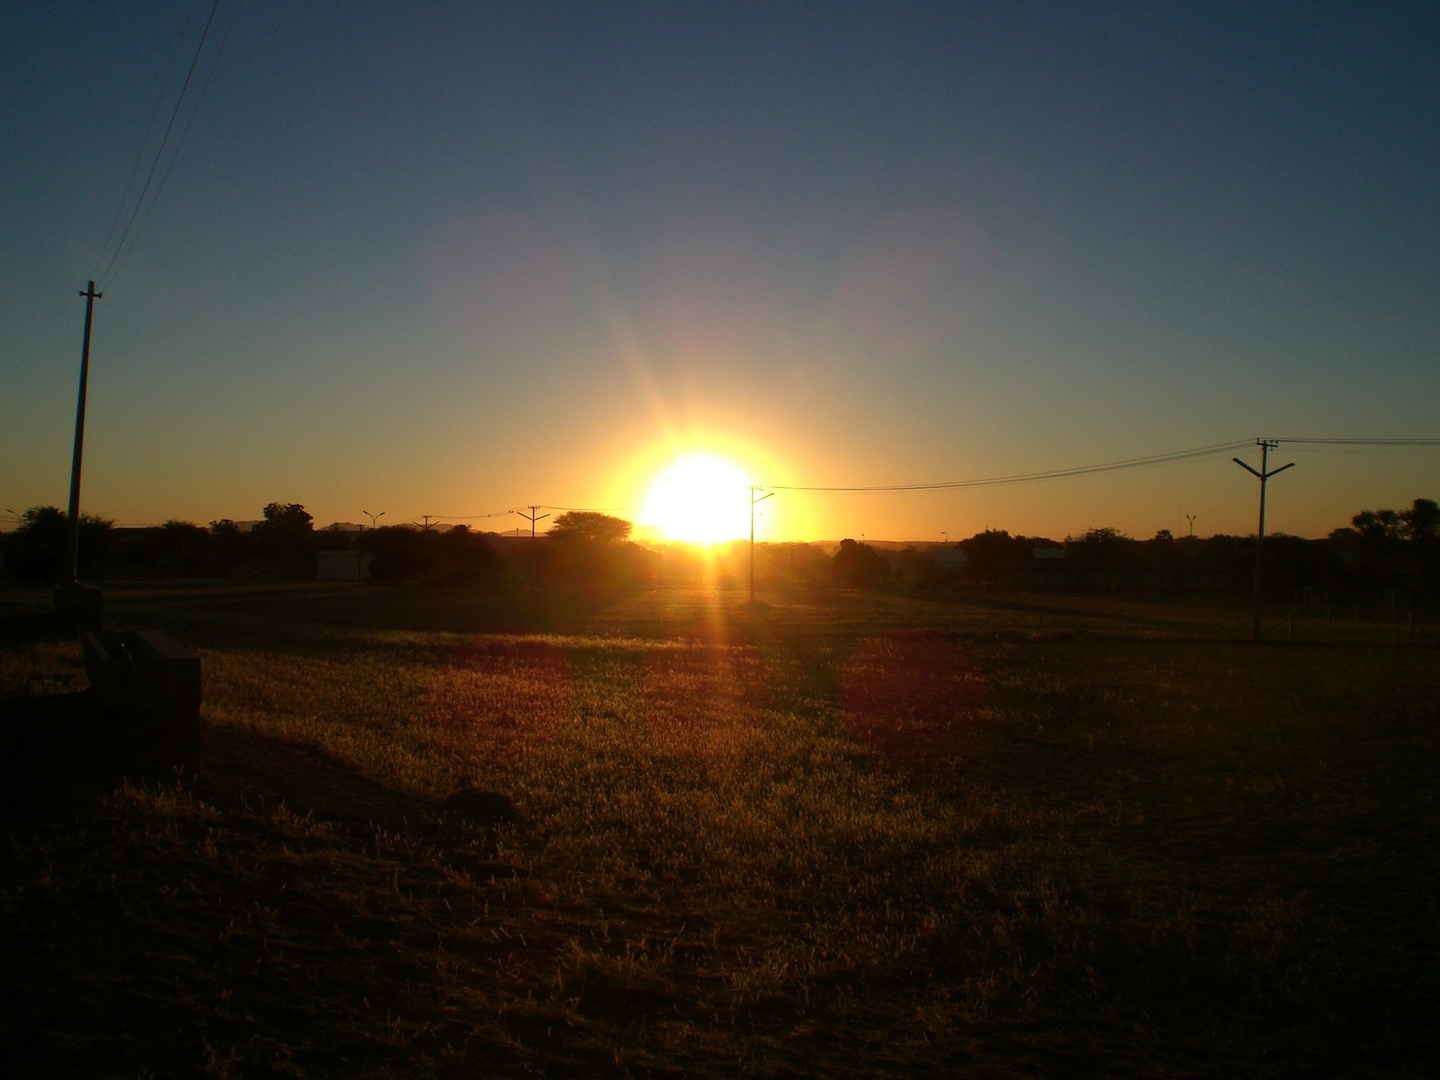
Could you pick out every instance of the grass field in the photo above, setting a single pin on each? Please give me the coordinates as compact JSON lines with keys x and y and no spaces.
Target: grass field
{"x":834,"y":835}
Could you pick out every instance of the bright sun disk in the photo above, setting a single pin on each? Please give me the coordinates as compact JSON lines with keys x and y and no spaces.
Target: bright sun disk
{"x":701,"y":499}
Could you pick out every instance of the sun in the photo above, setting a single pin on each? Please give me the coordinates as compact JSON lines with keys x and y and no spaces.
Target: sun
{"x":701,"y":499}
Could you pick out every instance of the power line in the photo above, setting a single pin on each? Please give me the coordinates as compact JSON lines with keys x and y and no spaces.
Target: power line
{"x":164,"y":139}
{"x":184,"y":134}
{"x":468,"y":517}
{"x":1027,"y":478}
{"x":1361,"y":442}
{"x":149,"y":130}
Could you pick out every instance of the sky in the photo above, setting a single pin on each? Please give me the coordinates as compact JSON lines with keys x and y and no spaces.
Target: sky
{"x":454,"y":259}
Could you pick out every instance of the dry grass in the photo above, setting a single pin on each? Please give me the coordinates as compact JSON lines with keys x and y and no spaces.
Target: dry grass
{"x":831,"y":836}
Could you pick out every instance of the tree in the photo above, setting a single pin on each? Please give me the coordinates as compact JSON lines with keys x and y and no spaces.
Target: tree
{"x":37,"y":548}
{"x":1101,"y":541}
{"x":856,"y":565}
{"x":232,"y":545}
{"x":287,"y":535}
{"x":591,"y":548}
{"x":183,"y":541}
{"x":581,"y":526}
{"x":1422,"y":520}
{"x":1378,"y":525}
{"x":401,"y":551}
{"x":468,"y":554}
{"x":985,"y":551}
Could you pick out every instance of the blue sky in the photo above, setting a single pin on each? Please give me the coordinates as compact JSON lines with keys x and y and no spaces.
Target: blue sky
{"x":451,"y":259}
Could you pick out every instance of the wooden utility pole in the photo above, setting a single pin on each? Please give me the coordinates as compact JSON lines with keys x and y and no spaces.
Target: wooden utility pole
{"x":753,"y":501}
{"x":1264,"y":475}
{"x":72,"y":547}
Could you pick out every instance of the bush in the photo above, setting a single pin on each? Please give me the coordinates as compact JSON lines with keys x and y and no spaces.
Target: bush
{"x":401,"y":552}
{"x":857,"y":565}
{"x":36,"y":550}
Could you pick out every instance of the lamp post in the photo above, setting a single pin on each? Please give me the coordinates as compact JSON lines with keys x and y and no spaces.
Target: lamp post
{"x":374,"y":518}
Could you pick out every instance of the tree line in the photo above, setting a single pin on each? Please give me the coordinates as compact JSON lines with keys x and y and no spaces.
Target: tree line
{"x":580,"y":546}
{"x":1380,"y":549}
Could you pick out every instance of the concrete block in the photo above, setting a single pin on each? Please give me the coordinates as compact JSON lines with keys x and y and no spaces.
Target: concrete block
{"x":150,"y":686}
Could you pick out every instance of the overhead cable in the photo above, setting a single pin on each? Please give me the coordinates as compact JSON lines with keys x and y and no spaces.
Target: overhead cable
{"x":1029,"y":478}
{"x":164,"y":139}
{"x":184,"y":134}
{"x":149,"y":130}
{"x":1362,"y":442}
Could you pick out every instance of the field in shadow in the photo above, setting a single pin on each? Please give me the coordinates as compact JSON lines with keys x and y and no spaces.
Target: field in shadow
{"x":675,"y":835}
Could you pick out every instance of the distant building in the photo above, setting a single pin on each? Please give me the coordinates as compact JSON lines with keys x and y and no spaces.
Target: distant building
{"x":343,"y":565}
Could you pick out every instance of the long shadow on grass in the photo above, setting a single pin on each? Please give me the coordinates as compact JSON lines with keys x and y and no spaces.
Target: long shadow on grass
{"x":239,"y":765}
{"x":59,"y":752}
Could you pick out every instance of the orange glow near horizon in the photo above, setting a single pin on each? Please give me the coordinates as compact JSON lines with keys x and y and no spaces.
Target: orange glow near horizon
{"x":701,"y":499}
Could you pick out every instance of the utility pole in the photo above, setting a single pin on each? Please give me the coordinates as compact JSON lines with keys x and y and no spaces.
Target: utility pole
{"x":753,"y":501}
{"x":1264,"y":475}
{"x":530,"y":517}
{"x":72,"y":551}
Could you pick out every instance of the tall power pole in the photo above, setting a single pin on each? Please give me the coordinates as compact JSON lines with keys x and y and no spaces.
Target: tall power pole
{"x":72,"y":548}
{"x":753,"y":501}
{"x":1264,"y":475}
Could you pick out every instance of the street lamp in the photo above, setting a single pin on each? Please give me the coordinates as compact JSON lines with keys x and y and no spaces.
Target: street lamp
{"x":373,"y":517}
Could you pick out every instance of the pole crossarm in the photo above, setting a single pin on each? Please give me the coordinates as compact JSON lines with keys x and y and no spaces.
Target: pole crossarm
{"x":531,"y":517}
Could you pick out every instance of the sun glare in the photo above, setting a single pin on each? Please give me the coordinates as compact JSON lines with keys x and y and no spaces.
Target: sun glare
{"x":701,"y":499}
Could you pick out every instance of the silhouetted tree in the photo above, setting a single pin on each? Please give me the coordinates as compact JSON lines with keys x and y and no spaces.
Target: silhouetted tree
{"x":1093,"y":542}
{"x":230,"y":543}
{"x":1422,"y":521}
{"x":591,"y":548}
{"x":856,"y":565}
{"x":1394,"y":549}
{"x":588,"y":526}
{"x":985,"y":551}
{"x":467,"y":554}
{"x":401,"y":551}
{"x":334,"y":538}
{"x":36,"y":550}
{"x":1379,"y":525}
{"x":286,"y":537}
